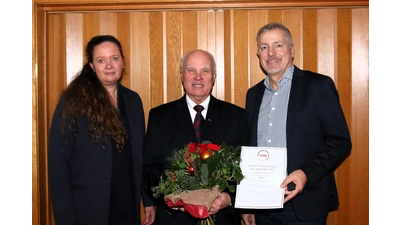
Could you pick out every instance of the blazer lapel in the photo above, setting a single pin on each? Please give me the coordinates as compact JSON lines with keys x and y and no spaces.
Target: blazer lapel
{"x":212,"y":119}
{"x":253,"y":110}
{"x":183,"y":119}
{"x":133,"y":118}
{"x":294,"y":98}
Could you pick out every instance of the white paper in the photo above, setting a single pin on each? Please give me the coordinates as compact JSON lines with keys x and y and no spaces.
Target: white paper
{"x":264,"y":169}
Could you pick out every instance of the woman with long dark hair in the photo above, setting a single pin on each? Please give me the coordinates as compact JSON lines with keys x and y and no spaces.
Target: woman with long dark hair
{"x":96,"y":143}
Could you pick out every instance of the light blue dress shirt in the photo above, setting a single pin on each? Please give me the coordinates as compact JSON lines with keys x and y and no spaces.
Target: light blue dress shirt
{"x":271,"y":127}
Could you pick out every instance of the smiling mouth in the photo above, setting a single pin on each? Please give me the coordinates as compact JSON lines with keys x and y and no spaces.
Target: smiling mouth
{"x":198,"y":85}
{"x":273,"y":60}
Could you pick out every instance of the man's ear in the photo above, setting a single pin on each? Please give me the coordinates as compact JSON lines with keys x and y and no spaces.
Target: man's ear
{"x":293,"y":51}
{"x":215,"y":77}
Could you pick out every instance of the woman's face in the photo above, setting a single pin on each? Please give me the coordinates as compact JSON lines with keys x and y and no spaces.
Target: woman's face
{"x":107,"y":63}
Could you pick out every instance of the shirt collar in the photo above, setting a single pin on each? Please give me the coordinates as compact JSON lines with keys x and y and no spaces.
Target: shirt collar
{"x":191,"y":103}
{"x":288,"y":75}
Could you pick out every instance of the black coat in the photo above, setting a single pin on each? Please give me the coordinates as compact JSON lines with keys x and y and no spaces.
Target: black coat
{"x":80,"y":170}
{"x":318,"y":138}
{"x":170,"y":127}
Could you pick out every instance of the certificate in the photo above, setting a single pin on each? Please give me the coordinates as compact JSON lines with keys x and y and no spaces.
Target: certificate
{"x":264,"y":169}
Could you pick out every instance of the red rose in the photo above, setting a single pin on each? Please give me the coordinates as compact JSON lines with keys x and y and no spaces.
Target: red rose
{"x":213,"y":147}
{"x":202,"y":147}
{"x":192,"y":147}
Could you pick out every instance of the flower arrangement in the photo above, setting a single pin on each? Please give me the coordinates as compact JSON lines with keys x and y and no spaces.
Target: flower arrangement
{"x":196,"y":173}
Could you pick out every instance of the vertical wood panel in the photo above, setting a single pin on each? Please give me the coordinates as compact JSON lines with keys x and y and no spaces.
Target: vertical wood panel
{"x":211,"y":31}
{"x":156,"y":79}
{"x":326,"y":65}
{"x":123,"y":33}
{"x":140,"y":56}
{"x":228,"y":51}
{"x":343,"y":83}
{"x":202,"y":27}
{"x":359,"y":164}
{"x":326,"y":41}
{"x":55,"y":82}
{"x":275,"y":15}
{"x":39,"y":124}
{"x":219,"y":54}
{"x":309,"y":40}
{"x":206,"y":38}
{"x":293,"y":19}
{"x":257,"y":19}
{"x":108,"y":22}
{"x":174,"y":53}
{"x":74,"y":45}
{"x":56,"y":69}
{"x":344,"y":58}
{"x":190,"y":31}
{"x":139,"y":63}
{"x":91,"y":27}
{"x":211,"y":46}
{"x":240,"y":54}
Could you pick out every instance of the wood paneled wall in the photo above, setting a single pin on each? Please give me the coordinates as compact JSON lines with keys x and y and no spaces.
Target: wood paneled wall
{"x":330,"y":40}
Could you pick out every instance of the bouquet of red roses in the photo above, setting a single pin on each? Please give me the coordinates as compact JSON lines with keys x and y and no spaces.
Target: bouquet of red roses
{"x":196,"y":173}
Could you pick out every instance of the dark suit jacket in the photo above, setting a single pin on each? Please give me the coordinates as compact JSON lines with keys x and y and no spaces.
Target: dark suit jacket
{"x":80,"y":170}
{"x":318,"y":138}
{"x":170,"y":127}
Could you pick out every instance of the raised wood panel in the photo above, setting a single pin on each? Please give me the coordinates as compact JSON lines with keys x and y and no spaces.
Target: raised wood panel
{"x":326,"y":34}
{"x":358,"y":175}
{"x":157,"y":61}
{"x":75,"y":53}
{"x":332,"y":41}
{"x":309,"y":37}
{"x":219,"y":89}
{"x":257,"y":19}
{"x":173,"y":48}
{"x":123,"y":26}
{"x":139,"y":53}
{"x":240,"y":53}
{"x":342,"y":76}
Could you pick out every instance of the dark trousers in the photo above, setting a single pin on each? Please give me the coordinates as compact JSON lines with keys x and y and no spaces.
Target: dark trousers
{"x":284,"y":216}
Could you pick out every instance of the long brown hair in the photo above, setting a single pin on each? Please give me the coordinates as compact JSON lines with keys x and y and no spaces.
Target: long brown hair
{"x":87,"y":98}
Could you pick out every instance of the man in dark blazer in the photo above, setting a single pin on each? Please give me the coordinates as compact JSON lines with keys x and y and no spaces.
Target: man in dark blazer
{"x":170,"y":127}
{"x":298,"y":110}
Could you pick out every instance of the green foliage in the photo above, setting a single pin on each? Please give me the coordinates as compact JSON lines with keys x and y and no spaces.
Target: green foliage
{"x":192,"y":170}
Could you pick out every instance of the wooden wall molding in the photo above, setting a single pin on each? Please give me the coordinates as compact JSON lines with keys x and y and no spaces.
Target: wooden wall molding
{"x":88,"y":5}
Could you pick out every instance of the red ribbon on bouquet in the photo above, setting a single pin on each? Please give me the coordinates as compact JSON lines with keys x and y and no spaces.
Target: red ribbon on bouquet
{"x":196,"y":202}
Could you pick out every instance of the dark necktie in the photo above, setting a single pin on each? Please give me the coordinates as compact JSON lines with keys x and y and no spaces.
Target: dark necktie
{"x":198,"y":120}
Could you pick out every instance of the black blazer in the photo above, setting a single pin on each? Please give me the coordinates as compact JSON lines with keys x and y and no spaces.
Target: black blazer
{"x":170,"y":127}
{"x":318,"y":139}
{"x":80,"y":170}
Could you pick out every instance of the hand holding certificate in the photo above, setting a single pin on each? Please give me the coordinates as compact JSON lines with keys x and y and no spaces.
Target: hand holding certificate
{"x":264,"y":169}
